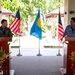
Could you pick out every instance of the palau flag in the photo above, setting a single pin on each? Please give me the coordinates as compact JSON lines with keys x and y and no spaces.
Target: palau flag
{"x":36,"y":29}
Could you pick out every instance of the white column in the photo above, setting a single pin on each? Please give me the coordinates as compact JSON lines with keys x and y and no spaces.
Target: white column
{"x":53,"y":27}
{"x":0,"y":13}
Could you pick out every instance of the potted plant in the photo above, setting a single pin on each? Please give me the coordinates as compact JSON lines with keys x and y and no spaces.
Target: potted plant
{"x":3,"y":57}
{"x":72,"y":58}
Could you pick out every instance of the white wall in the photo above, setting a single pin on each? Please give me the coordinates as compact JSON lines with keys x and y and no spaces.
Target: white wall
{"x":69,"y":5}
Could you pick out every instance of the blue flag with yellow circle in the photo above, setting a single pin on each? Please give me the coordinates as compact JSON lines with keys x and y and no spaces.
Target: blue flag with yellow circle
{"x":36,"y":29}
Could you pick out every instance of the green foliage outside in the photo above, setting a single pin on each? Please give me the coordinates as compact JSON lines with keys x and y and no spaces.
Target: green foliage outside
{"x":30,"y":8}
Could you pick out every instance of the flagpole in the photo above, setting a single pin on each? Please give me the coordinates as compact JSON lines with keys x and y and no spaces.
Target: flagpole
{"x":19,"y":54}
{"x":59,"y":41}
{"x":59,"y":49}
{"x":39,"y":54}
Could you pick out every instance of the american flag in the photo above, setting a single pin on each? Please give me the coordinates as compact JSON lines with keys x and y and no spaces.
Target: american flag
{"x":60,"y":27}
{"x":15,"y":25}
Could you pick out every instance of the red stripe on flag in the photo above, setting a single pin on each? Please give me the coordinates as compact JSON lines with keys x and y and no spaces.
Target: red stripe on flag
{"x":60,"y":31}
{"x":15,"y":26}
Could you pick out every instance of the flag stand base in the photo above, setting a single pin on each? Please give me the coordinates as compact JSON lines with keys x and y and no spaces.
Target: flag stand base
{"x":19,"y":55}
{"x":59,"y":53}
{"x":39,"y":54}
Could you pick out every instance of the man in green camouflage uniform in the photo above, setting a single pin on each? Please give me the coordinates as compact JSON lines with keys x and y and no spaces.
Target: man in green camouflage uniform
{"x":4,"y":30}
